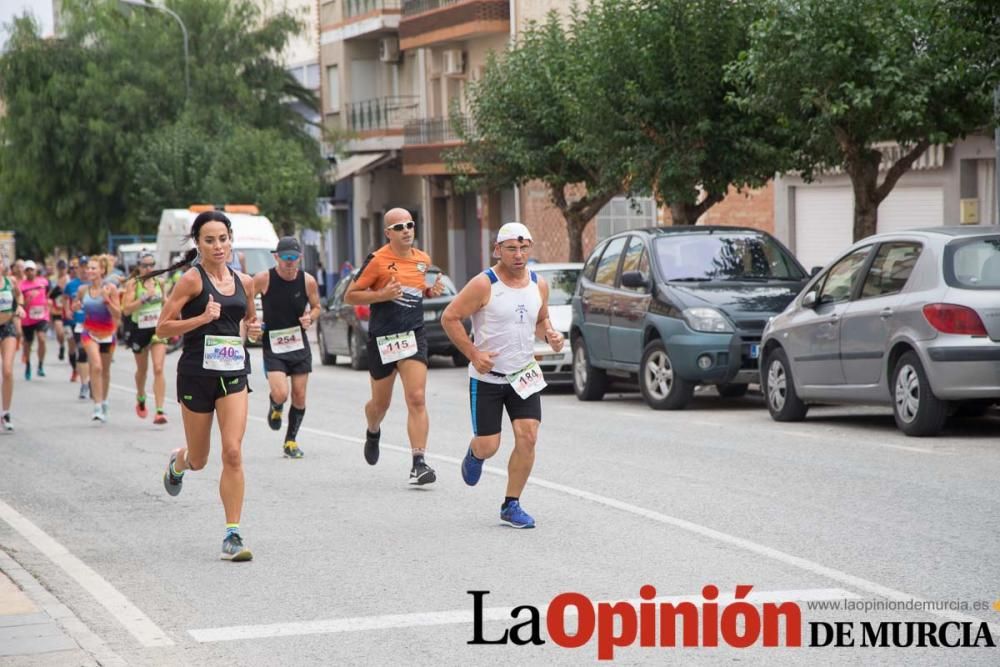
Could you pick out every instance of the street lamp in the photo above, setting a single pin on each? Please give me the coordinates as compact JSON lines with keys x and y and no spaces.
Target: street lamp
{"x":187,"y":70}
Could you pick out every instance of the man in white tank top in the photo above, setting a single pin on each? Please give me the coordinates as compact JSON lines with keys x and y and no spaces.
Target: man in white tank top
{"x":508,"y":307}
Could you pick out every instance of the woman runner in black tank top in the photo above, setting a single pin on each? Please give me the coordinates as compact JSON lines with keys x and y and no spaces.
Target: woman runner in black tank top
{"x":206,"y":307}
{"x":291,"y":302}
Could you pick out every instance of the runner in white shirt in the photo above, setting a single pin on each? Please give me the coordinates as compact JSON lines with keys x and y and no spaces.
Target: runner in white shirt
{"x":507,"y":304}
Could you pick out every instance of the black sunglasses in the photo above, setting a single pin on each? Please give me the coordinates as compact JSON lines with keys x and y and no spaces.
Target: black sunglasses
{"x":400,"y":226}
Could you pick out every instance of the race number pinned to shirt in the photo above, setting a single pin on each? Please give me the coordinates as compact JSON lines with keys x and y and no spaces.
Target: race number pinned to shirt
{"x":149,"y":316}
{"x":6,"y":300}
{"x":37,"y":312}
{"x":224,"y":353}
{"x":286,"y":340}
{"x":527,"y":381}
{"x":396,"y":346}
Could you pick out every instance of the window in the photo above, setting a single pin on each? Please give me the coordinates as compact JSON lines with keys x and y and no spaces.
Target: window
{"x":633,"y":258}
{"x":891,"y":269}
{"x":608,"y":266}
{"x":621,"y":215}
{"x":562,"y":285}
{"x":724,"y":256}
{"x":973,"y":264}
{"x":842,"y":276}
{"x":590,"y":268}
{"x":333,"y":88}
{"x":312,"y":77}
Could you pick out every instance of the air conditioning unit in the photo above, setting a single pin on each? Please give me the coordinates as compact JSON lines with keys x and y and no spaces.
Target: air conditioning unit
{"x":388,"y":49}
{"x":453,"y":62}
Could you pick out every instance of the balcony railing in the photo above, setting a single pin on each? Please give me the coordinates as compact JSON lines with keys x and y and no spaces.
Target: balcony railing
{"x":382,"y":113}
{"x":354,"y":8}
{"x":433,"y":131}
{"x":411,"y":7}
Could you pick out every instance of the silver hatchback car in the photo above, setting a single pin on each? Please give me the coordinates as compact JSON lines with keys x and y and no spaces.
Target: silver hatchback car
{"x":910,"y":319}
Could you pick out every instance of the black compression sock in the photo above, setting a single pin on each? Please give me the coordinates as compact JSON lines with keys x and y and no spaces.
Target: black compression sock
{"x":295,"y":416}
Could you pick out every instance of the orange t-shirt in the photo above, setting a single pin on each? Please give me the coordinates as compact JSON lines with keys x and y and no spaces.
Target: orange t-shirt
{"x":405,"y":313}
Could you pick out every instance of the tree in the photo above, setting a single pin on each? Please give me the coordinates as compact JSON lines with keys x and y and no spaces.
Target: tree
{"x":265,"y":168}
{"x":524,"y":124}
{"x":82,"y":109}
{"x":662,"y":72}
{"x":842,"y":76}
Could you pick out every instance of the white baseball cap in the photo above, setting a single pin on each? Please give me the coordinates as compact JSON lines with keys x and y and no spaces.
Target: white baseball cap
{"x":513,"y":231}
{"x":30,"y":264}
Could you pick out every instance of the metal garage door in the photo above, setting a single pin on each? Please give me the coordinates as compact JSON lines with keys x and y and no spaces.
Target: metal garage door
{"x":824,"y":218}
{"x":823,"y":222}
{"x":911,"y":208}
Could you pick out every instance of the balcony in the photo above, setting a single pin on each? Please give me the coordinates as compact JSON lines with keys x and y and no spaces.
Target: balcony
{"x":424,"y":143}
{"x":355,"y":8}
{"x":382,"y":115}
{"x":431,"y":22}
{"x":363,"y":18}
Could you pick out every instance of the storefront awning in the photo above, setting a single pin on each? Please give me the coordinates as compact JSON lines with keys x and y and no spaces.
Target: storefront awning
{"x":354,"y":164}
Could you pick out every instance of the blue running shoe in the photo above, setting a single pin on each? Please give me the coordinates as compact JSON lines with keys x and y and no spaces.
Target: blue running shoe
{"x":515,"y":517}
{"x":472,"y":468}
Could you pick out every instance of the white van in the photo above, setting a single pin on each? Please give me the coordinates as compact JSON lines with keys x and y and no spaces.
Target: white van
{"x":128,"y":254}
{"x":253,"y":236}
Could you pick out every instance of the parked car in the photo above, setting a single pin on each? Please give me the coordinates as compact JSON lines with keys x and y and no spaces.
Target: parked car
{"x":675,"y":307}
{"x":910,"y":319}
{"x":342,"y":329}
{"x":562,"y":279}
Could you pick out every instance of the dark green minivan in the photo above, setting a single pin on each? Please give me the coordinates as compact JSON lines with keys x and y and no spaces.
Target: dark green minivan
{"x":675,"y":307}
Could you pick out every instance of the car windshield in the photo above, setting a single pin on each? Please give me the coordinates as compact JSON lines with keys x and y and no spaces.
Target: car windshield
{"x":562,"y":284}
{"x":724,"y":256}
{"x":975,"y":264}
{"x":258,"y":259}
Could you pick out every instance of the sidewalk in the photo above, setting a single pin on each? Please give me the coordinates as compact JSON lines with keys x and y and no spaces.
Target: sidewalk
{"x":37,"y":629}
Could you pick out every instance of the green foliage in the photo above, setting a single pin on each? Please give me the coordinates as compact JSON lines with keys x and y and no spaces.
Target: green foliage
{"x":841,"y":75}
{"x":99,"y":134}
{"x":525,"y":117}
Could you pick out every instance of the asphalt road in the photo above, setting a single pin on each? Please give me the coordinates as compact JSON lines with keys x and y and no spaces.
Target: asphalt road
{"x":354,"y":566}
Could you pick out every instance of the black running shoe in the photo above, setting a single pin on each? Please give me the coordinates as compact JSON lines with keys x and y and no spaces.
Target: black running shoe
{"x":422,"y":474}
{"x":171,"y":482}
{"x":273,"y":417}
{"x":371,"y":447}
{"x":233,"y":549}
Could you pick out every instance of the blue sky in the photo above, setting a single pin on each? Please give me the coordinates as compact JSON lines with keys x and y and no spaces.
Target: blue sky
{"x":42,"y":9}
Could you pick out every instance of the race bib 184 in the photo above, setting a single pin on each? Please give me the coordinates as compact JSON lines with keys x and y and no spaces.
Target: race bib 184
{"x":527,"y":381}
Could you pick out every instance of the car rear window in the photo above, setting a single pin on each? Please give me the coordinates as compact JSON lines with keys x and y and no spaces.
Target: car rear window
{"x":973,"y":264}
{"x":562,"y":284}
{"x":724,"y":256}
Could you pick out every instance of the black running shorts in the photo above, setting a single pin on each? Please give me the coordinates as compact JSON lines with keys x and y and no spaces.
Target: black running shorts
{"x":198,"y":393}
{"x":378,"y":370}
{"x":29,"y":330}
{"x":275,"y":363}
{"x":488,"y":401}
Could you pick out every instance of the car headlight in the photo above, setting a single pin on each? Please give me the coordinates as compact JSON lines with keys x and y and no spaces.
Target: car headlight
{"x":707,"y":319}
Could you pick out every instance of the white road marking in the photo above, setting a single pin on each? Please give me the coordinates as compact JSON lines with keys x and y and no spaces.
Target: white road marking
{"x":131,"y":617}
{"x":804,"y":564}
{"x":461,"y":616}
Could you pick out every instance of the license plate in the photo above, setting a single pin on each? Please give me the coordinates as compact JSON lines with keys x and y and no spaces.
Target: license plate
{"x":755,"y":351}
{"x":430,"y":316}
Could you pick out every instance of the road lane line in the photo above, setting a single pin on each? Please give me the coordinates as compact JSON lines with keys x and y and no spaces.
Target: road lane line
{"x":689,"y":526}
{"x":461,"y":616}
{"x":131,"y":617}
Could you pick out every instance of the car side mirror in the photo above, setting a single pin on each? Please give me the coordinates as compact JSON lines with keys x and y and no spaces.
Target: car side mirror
{"x":814,"y":270}
{"x":809,"y":300}
{"x":634,"y":279}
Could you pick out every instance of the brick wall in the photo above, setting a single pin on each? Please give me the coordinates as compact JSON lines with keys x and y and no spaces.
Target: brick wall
{"x":750,"y":208}
{"x":547,"y":225}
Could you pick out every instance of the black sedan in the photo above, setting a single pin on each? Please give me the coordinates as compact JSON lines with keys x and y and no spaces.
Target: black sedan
{"x":342,"y":329}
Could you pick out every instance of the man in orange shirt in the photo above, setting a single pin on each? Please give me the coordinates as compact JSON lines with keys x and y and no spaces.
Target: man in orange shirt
{"x":392,"y":282}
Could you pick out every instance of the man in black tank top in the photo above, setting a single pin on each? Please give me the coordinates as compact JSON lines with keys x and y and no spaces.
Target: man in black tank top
{"x":290,"y":298}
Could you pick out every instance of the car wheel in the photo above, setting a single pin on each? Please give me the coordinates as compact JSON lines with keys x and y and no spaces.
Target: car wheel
{"x":783,"y":402}
{"x":325,"y":357}
{"x":459,"y":359}
{"x":359,"y":356}
{"x":661,"y":387}
{"x":589,"y":383}
{"x":917,"y":410}
{"x":731,"y":390}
